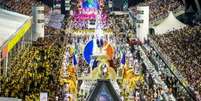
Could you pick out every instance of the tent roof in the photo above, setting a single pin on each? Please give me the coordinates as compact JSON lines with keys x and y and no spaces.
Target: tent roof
{"x":169,"y":24}
{"x":10,"y":24}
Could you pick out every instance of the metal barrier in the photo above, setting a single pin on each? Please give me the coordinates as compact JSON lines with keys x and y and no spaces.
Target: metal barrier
{"x":172,"y":68}
{"x":156,"y":77}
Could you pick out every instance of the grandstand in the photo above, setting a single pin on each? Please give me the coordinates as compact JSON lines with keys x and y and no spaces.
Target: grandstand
{"x":15,"y":32}
{"x":147,"y":50}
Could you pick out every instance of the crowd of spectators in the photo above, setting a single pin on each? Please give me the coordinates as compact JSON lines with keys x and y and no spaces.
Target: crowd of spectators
{"x":159,"y":8}
{"x":23,"y":6}
{"x":183,"y":48}
{"x":175,"y":87}
{"x":145,"y":91}
{"x":189,"y":37}
{"x":120,"y":24}
{"x":35,"y":69}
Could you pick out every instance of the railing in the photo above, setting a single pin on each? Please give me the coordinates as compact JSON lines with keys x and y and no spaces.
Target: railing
{"x":156,"y":77}
{"x":166,"y":59}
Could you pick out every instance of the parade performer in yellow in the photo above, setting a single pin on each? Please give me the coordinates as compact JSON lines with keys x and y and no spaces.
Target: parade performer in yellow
{"x":130,"y":79}
{"x":109,"y":72}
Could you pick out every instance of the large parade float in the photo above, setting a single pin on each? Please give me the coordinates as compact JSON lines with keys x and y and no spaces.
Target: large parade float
{"x":95,"y":59}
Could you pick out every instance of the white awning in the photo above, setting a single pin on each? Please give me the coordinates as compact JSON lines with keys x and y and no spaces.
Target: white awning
{"x":10,"y":22}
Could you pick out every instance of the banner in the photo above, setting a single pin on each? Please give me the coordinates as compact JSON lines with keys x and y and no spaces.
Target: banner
{"x":43,"y":96}
{"x":9,"y":99}
{"x":19,"y":34}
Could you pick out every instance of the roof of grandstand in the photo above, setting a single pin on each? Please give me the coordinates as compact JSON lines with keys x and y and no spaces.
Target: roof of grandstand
{"x":11,"y":22}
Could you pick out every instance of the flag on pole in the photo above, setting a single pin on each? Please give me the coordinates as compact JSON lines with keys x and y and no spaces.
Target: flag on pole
{"x":123,"y":59}
{"x":120,"y":50}
{"x":67,"y":57}
{"x":74,"y":60}
{"x":76,"y":50}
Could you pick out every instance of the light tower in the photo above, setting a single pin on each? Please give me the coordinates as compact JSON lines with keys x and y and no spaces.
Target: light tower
{"x":38,"y":22}
{"x":142,"y":24}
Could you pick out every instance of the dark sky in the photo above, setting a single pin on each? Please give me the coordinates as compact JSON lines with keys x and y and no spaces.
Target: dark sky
{"x":133,"y":2}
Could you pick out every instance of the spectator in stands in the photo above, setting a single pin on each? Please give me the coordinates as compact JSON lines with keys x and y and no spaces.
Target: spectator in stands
{"x":182,"y":46}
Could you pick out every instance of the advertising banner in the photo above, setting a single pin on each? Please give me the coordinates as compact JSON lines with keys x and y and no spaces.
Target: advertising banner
{"x":43,"y":96}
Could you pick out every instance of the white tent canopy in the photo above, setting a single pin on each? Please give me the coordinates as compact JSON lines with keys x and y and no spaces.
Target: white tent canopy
{"x":169,"y":24}
{"x":10,"y":24}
